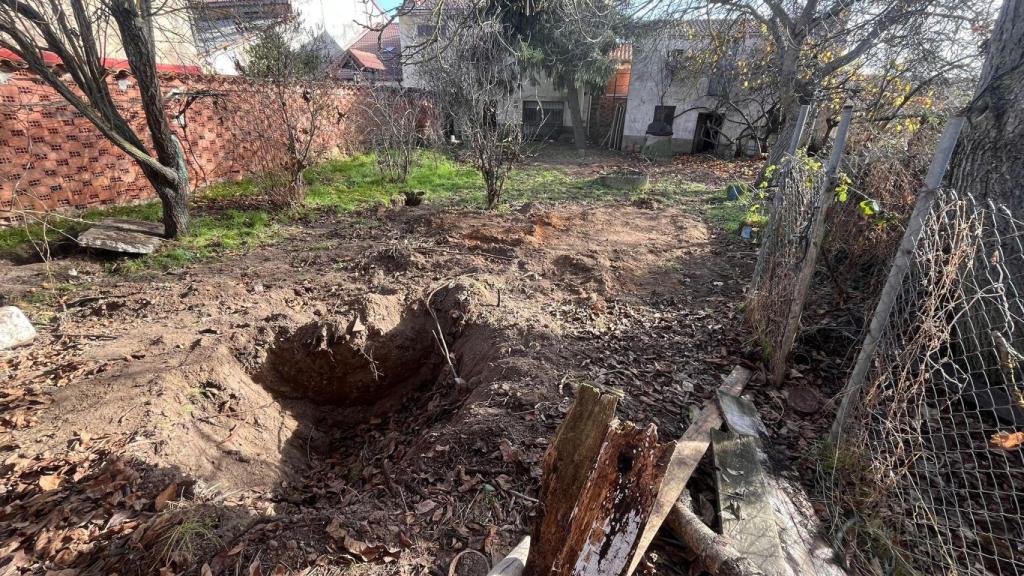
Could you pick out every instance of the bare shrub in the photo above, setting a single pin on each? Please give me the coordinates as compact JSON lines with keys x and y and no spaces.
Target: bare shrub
{"x":399,"y":121}
{"x":475,"y":77}
{"x":297,"y":110}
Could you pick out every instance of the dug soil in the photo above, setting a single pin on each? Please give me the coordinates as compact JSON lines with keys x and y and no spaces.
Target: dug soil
{"x":372,"y":395}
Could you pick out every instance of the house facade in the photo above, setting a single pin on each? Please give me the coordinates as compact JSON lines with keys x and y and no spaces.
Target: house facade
{"x":695,"y":111}
{"x":541,"y":108}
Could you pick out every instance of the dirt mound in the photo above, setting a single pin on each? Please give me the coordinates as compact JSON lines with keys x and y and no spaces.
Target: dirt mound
{"x":392,"y":258}
{"x":195,"y":410}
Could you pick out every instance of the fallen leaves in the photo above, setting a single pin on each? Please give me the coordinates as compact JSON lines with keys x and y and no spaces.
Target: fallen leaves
{"x":165,"y":496}
{"x":49,"y":482}
{"x":1008,"y":440}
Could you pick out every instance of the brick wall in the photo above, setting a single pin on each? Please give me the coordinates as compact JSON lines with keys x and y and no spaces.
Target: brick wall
{"x":52,"y":158}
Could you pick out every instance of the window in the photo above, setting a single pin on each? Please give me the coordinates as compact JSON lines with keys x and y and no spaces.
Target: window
{"x":425,"y":30}
{"x":536,"y":113}
{"x":665,"y":114}
{"x":718,"y":83}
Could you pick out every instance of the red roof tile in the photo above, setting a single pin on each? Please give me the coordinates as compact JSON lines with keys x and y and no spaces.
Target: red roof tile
{"x":365,"y":60}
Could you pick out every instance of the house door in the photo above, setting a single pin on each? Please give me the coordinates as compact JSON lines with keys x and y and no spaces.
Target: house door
{"x":705,"y":137}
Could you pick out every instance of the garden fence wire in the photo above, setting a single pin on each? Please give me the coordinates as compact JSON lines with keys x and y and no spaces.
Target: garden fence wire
{"x":929,"y":466}
{"x":785,"y":242}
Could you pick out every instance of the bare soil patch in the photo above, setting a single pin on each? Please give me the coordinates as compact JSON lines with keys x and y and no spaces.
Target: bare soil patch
{"x":373,"y":395}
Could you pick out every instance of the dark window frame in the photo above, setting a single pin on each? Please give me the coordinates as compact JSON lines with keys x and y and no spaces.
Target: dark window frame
{"x":543,"y":112}
{"x":666,"y":114}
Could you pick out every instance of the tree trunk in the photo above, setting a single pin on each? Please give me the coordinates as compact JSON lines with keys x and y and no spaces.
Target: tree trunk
{"x":579,"y":134}
{"x":135,"y":25}
{"x":173,"y":194}
{"x":989,"y":159}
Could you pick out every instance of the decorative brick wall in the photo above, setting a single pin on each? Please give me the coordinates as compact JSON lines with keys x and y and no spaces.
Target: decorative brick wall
{"x":53,"y":158}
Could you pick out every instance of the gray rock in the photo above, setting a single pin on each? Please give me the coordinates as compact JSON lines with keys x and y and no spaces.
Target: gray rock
{"x":140,"y":226}
{"x":15,"y":329}
{"x":122,"y":235}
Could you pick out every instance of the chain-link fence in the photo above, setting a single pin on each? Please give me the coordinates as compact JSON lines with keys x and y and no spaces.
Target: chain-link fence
{"x":929,"y":463}
{"x":784,"y":245}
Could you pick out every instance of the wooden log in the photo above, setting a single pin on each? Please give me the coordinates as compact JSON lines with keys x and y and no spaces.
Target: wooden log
{"x":713,"y":550}
{"x":598,"y":534}
{"x":689,"y":450}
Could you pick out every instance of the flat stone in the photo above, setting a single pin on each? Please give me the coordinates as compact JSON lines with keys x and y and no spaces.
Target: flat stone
{"x":15,"y":329}
{"x":128,"y":225}
{"x":122,"y":235}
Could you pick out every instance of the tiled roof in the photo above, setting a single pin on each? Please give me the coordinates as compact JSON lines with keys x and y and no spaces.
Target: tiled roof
{"x":386,"y":46}
{"x":365,"y":60}
{"x":51,"y":59}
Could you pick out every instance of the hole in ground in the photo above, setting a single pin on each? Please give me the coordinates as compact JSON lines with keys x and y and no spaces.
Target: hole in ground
{"x":365,"y":363}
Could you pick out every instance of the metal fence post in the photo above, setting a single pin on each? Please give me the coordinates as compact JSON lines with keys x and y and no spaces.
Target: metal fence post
{"x":810,"y":260}
{"x":894,"y":281}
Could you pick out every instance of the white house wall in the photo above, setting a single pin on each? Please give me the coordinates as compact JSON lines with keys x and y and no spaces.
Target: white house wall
{"x":649,"y":87}
{"x":540,"y":90}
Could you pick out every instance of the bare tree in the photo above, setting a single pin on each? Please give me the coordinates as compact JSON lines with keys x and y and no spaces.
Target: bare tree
{"x":810,"y":42}
{"x":475,"y":78}
{"x":78,"y":31}
{"x":299,"y":109}
{"x":399,"y":121}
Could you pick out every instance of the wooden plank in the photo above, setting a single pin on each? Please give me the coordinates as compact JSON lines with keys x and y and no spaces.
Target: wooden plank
{"x":689,"y":450}
{"x":568,"y":463}
{"x":804,"y":550}
{"x":614,"y":505}
{"x":747,"y":516}
{"x":741,"y":416}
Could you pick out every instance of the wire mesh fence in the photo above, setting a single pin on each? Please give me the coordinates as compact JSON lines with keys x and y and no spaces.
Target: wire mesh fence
{"x":784,"y":245}
{"x":930,"y":461}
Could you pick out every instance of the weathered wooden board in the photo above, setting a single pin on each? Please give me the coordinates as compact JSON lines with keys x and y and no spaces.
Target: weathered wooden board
{"x":744,"y":505}
{"x":741,"y":416}
{"x":568,"y":463}
{"x":615,"y":503}
{"x":805,"y":551}
{"x":689,"y":450}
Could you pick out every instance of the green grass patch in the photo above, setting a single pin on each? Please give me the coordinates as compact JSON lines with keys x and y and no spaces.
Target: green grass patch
{"x":353,"y":183}
{"x":212,"y":236}
{"x":711,"y":203}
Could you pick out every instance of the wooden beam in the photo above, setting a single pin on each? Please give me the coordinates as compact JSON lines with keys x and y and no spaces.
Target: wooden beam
{"x":614,"y":504}
{"x":744,"y":507}
{"x":568,"y":463}
{"x":689,"y":450}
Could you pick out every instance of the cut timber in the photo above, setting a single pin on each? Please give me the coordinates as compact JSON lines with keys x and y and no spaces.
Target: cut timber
{"x":603,"y":525}
{"x":689,"y":450}
{"x":713,"y":550}
{"x":748,"y":520}
{"x":515,"y":562}
{"x":567,"y":465}
{"x":741,"y":415}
